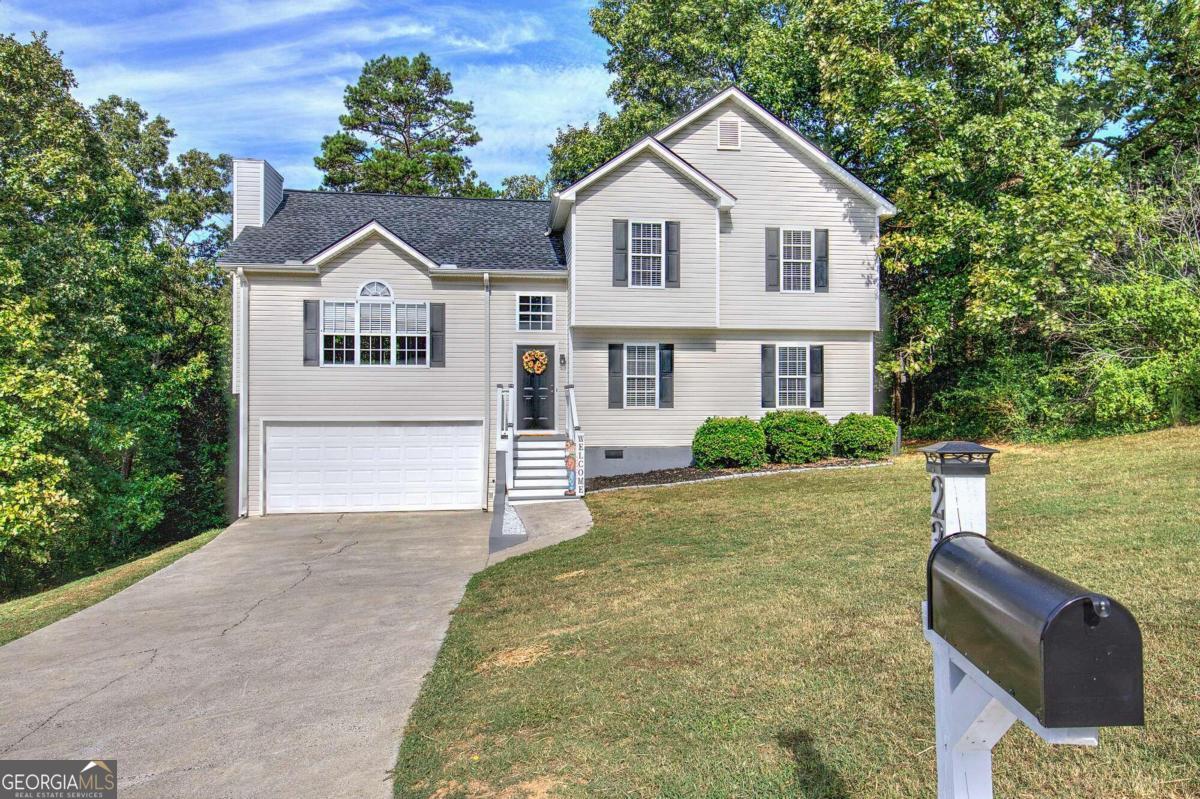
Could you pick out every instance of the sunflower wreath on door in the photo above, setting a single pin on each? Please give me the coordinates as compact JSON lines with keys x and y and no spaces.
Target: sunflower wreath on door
{"x":534,"y":361}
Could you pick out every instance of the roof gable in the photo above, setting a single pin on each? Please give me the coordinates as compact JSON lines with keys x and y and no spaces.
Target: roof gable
{"x":820,"y":158}
{"x":648,"y":146}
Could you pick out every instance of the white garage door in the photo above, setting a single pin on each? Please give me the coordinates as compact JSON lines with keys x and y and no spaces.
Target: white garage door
{"x":338,"y":467}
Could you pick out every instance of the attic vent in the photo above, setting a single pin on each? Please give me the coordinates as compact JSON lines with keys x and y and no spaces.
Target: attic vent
{"x":729,"y":133}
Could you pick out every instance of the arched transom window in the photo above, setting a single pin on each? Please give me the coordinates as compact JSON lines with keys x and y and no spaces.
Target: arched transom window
{"x":372,"y":330}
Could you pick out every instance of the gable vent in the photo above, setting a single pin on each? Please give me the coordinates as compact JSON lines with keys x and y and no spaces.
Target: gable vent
{"x":729,"y":133}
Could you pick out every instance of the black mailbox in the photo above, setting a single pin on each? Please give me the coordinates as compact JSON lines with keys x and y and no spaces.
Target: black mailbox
{"x":1071,"y":657}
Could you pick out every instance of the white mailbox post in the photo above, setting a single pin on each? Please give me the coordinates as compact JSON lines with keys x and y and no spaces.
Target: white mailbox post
{"x":972,"y":712}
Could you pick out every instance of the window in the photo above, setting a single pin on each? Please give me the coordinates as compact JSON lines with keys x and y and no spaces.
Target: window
{"x":792,"y":374}
{"x":337,"y":329}
{"x":796,"y":263}
{"x":374,"y":330}
{"x":729,"y":133}
{"x":641,"y":375}
{"x":412,"y":334}
{"x":646,"y":254}
{"x":535,"y":312}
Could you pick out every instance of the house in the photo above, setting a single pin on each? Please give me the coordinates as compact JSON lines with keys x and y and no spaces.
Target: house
{"x":396,"y":352}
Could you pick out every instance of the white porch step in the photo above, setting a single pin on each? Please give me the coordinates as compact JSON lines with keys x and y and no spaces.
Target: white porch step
{"x":533,"y":443}
{"x":526,"y":471}
{"x":536,"y":493}
{"x":540,"y":457}
{"x":539,"y":482}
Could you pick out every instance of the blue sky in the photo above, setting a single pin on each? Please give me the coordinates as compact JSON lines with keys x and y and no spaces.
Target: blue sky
{"x":265,"y":79}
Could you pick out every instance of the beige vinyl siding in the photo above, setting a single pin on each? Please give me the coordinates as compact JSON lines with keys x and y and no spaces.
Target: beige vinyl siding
{"x":272,"y":191}
{"x":247,"y":194}
{"x":715,"y":375}
{"x":644,"y":189}
{"x":280,"y":386}
{"x":778,"y":186}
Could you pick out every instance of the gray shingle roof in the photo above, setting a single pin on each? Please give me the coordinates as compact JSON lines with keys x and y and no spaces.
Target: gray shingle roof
{"x":472,"y":234}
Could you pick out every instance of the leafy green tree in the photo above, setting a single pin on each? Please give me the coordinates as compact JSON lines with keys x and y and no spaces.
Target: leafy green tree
{"x":402,"y":132}
{"x":991,"y":125}
{"x":112,"y":419}
{"x":524,"y":187}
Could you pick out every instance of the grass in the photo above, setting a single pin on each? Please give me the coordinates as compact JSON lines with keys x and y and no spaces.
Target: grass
{"x":761,"y":638}
{"x":22,"y":616}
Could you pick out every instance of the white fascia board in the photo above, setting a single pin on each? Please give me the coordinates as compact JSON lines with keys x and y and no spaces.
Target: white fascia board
{"x":883,"y":206}
{"x":295,"y":268}
{"x":564,"y":199}
{"x":372,"y":229}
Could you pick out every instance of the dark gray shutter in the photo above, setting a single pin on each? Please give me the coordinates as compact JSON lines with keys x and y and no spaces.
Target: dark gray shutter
{"x":437,"y":334}
{"x":666,"y":375}
{"x":772,"y":260}
{"x":312,"y":335}
{"x":672,"y":277}
{"x":620,"y":258}
{"x":821,"y":259}
{"x":768,"y":375}
{"x":816,"y":376}
{"x":616,"y":376}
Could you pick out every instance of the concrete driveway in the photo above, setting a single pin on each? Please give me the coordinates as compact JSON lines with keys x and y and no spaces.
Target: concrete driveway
{"x":279,"y":660}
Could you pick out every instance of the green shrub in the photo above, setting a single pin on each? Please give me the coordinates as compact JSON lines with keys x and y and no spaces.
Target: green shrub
{"x":729,"y":442}
{"x":860,"y":435}
{"x":797,"y":436}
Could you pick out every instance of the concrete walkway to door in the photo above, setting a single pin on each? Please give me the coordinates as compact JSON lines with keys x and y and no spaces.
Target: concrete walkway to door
{"x":278,"y":660}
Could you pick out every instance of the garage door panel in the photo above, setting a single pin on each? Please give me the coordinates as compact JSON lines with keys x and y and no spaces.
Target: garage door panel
{"x":340,"y":467}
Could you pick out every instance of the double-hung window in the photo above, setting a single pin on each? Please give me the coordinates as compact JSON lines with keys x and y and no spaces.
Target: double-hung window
{"x":641,"y":375}
{"x":796,"y":259}
{"x":646,"y":254}
{"x":792,"y":374}
{"x":374,"y":330}
{"x":535,"y":312}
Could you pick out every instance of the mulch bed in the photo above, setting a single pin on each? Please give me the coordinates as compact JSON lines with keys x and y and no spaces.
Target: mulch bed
{"x":690,"y":473}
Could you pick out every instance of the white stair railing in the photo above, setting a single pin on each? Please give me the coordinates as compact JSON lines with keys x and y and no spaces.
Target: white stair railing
{"x":506,"y":423}
{"x":575,"y":447}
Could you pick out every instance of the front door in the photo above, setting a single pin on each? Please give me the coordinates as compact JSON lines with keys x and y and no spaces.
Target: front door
{"x":535,"y":387}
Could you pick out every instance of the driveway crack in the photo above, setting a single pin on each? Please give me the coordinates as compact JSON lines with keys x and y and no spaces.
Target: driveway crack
{"x":308,"y":564}
{"x":153,"y":654}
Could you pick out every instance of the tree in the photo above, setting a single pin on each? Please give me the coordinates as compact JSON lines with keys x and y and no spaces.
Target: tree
{"x":989,"y":125}
{"x":402,"y":133}
{"x":524,"y":187}
{"x":112,"y":331}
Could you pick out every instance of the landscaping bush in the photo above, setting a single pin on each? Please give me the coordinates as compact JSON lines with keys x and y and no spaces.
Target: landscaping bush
{"x":729,"y":442}
{"x":797,"y":436}
{"x":860,"y":435}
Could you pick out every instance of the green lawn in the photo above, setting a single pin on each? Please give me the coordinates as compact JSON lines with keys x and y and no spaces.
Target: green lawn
{"x":22,"y":616}
{"x":761,"y":637}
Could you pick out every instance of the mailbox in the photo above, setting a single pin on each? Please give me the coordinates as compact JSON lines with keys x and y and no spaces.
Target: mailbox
{"x":1071,"y":657}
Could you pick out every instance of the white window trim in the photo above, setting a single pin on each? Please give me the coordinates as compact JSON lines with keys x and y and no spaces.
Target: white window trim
{"x":358,"y":364}
{"x":736,"y":119}
{"x":779,"y":346}
{"x":812,"y":266}
{"x":625,"y":376}
{"x":517,"y":295}
{"x":662,"y":258}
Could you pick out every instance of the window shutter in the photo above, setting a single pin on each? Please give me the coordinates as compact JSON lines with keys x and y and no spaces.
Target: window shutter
{"x":616,"y":376}
{"x":672,"y":276}
{"x":821,"y":259}
{"x":312,"y":335}
{"x":620,"y":255}
{"x":772,"y":260}
{"x":437,"y":334}
{"x":816,"y":377}
{"x":666,"y":375}
{"x":768,"y":375}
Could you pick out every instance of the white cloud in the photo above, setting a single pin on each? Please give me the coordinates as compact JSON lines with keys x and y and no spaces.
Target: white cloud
{"x":519,"y":108}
